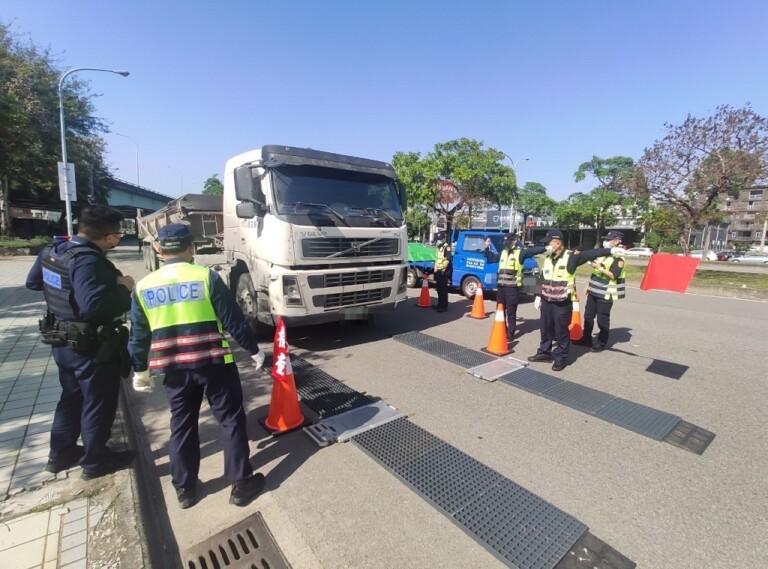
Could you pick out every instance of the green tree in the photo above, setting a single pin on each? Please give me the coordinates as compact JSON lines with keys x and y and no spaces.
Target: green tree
{"x":613,"y":174}
{"x":213,"y":186}
{"x":457,"y":175}
{"x":596,"y":209}
{"x":417,"y":221}
{"x":532,"y":200}
{"x":702,"y":160}
{"x":30,"y":131}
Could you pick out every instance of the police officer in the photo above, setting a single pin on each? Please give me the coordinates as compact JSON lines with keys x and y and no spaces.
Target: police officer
{"x":442,"y":273}
{"x":556,"y":304}
{"x":178,"y":317}
{"x":605,"y":285}
{"x":510,"y":275}
{"x":85,"y":293}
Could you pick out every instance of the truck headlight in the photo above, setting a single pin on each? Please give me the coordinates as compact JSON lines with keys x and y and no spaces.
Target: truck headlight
{"x":291,"y":292}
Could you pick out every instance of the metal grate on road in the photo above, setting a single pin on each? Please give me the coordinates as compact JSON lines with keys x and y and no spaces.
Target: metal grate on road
{"x":444,"y":349}
{"x":517,"y":526}
{"x":245,"y":545}
{"x":323,"y":393}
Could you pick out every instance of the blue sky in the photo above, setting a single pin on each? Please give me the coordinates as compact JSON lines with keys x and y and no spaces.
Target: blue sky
{"x":554,"y":81}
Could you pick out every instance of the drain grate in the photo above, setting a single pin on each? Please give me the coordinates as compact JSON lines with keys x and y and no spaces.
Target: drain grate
{"x":246,"y":545}
{"x":515,"y":525}
{"x":467,"y":358}
{"x":578,"y":397}
{"x":690,"y":437}
{"x":531,"y":380}
{"x":323,"y":393}
{"x":591,"y":552}
{"x":638,"y":418}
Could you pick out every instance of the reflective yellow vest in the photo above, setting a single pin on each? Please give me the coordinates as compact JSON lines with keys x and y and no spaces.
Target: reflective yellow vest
{"x":558,"y":283}
{"x":510,"y":271}
{"x":606,"y":288}
{"x":442,"y":260}
{"x":186,"y":333}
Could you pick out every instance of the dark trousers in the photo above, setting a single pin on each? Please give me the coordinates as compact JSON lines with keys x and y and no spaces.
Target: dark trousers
{"x":601,"y":309}
{"x":509,"y":298}
{"x":441,"y":284}
{"x":221,"y":386}
{"x":553,"y":325}
{"x":86,"y":407}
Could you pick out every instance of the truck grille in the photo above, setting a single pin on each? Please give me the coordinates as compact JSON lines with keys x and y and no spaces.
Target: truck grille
{"x":343,"y":248}
{"x":359,"y":297}
{"x":346,"y":279}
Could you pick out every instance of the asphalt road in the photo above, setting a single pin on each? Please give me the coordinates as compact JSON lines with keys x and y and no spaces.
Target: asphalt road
{"x":661,"y":506}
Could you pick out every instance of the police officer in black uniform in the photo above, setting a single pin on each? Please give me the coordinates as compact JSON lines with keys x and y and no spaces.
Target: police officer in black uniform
{"x":442,"y":275}
{"x":557,"y":289}
{"x":85,"y":294}
{"x":605,"y":285}
{"x":510,"y":275}
{"x":178,"y":315}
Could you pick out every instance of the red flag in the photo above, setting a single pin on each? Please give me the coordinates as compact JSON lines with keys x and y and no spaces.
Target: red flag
{"x":281,"y":359}
{"x":669,"y":272}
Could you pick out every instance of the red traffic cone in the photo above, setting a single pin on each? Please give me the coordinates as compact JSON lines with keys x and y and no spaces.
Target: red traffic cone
{"x":424,"y":300}
{"x":478,"y":306}
{"x":577,"y":332}
{"x":497,"y":344}
{"x":284,"y":410}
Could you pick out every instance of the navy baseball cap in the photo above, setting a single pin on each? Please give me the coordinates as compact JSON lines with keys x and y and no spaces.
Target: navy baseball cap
{"x":553,"y":234}
{"x":174,"y":237}
{"x":614,"y":234}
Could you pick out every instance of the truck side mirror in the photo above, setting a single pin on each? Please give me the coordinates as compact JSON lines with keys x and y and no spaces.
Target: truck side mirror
{"x":243,"y":184}
{"x":245,"y":210}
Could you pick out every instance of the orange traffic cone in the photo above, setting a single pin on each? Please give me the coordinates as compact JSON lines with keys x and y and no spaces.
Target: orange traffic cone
{"x":424,"y":300}
{"x":577,"y":332}
{"x":284,"y":411}
{"x":497,"y":344}
{"x":478,"y":306}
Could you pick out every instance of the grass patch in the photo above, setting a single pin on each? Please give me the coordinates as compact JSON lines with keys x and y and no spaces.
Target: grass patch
{"x":18,"y":243}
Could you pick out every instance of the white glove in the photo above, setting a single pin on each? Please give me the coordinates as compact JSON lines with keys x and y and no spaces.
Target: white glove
{"x":537,"y":303}
{"x":618,"y":251}
{"x":141,"y":381}
{"x":258,"y":359}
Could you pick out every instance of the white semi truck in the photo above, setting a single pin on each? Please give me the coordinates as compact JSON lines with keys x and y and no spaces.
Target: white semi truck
{"x":312,"y":236}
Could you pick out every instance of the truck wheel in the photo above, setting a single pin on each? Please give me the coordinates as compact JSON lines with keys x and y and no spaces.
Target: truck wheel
{"x":246,"y":300}
{"x":469,"y":286}
{"x":412,"y":278}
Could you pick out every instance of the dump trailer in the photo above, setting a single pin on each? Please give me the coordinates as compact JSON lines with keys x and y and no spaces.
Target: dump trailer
{"x":313,"y":236}
{"x":203,"y":214}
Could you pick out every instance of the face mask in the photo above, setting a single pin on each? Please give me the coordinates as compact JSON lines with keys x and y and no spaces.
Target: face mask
{"x":606,"y":244}
{"x":550,"y":249}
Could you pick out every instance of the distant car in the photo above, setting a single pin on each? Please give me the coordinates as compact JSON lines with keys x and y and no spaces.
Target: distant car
{"x":726,"y":255}
{"x":705,"y":255}
{"x":751,"y":259}
{"x":639,"y":252}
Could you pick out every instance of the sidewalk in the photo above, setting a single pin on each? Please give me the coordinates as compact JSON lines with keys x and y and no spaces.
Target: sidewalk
{"x":51,"y":520}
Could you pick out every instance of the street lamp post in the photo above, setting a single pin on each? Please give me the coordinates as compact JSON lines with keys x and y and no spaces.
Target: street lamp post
{"x":138,"y":179}
{"x":65,"y":173}
{"x":181,"y":177}
{"x":512,"y":204}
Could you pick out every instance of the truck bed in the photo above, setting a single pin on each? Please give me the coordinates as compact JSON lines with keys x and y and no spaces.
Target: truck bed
{"x":203,"y":214}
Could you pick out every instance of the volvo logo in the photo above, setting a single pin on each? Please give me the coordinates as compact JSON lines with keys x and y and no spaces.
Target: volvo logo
{"x":356,"y":247}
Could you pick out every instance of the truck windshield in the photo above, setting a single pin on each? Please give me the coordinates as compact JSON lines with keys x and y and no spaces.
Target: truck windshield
{"x":323,"y":196}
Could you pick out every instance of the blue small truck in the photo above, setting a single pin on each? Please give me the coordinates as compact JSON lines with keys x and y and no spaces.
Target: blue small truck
{"x":470,"y":263}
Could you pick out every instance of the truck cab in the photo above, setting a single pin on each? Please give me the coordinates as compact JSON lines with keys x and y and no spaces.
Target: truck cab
{"x":313,"y":236}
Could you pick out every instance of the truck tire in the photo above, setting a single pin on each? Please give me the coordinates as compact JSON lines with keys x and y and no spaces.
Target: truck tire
{"x":246,"y":300}
{"x":469,"y":286}
{"x":412,"y":278}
